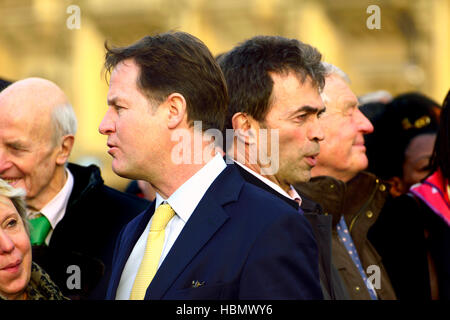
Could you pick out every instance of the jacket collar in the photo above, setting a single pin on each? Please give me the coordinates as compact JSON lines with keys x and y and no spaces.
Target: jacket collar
{"x":327,"y":191}
{"x":348,"y":199}
{"x":85,"y":179}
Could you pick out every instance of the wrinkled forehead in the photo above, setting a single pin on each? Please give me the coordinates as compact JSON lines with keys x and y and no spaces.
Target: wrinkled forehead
{"x":290,"y":85}
{"x":25,"y":112}
{"x":26,"y":125}
{"x":337,"y":94}
{"x":28,"y":104}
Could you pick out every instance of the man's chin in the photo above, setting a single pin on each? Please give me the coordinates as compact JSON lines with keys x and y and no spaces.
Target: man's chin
{"x":120,"y":172}
{"x":124,"y":172}
{"x":362,"y":163}
{"x":305,"y":177}
{"x":118,"y":169}
{"x":302,"y":176}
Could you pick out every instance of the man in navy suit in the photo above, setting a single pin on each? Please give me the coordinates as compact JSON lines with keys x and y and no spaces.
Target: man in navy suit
{"x":225,"y":239}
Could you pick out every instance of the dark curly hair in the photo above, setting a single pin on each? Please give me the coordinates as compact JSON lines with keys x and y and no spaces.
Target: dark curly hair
{"x":247,"y":67}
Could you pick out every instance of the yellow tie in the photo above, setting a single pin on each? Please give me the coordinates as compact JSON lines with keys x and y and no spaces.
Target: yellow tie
{"x":155,"y":242}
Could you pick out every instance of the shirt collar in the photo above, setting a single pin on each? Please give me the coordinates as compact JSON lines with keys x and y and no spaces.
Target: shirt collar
{"x":55,"y":209}
{"x":186,"y":198}
{"x":270,"y":183}
{"x":295,"y":196}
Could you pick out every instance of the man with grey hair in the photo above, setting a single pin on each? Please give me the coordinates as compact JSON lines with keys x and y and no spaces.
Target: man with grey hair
{"x":74,"y":217}
{"x":351,"y":196}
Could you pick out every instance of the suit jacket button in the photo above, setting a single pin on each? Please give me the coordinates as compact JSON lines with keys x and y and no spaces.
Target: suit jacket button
{"x":369,"y":214}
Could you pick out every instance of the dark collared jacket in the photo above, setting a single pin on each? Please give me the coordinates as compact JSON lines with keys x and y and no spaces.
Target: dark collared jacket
{"x":360,"y":201}
{"x":330,"y":280}
{"x":86,"y":235}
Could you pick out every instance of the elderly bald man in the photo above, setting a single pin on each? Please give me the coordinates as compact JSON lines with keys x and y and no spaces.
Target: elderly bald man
{"x":75,"y":218}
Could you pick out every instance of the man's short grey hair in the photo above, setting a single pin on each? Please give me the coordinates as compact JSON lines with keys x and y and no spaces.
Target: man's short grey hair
{"x":331,"y":69}
{"x":64,"y":121}
{"x":17,"y":197}
{"x":375,"y":96}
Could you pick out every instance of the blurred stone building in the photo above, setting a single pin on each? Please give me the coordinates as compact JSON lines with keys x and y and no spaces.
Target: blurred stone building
{"x":63,"y":41}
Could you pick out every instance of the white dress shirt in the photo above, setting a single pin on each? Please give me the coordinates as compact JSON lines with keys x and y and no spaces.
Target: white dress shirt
{"x":55,"y":210}
{"x":183,"y":201}
{"x":272,"y":184}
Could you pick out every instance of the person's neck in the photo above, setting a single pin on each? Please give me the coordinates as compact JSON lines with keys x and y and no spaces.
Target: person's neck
{"x":18,"y":296}
{"x":341,"y":175}
{"x":256,"y":167}
{"x":174,"y":178}
{"x":53,"y":188}
{"x":175,"y":175}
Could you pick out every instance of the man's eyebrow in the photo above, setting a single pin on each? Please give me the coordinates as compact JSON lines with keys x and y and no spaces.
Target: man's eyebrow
{"x":16,"y":144}
{"x":114,"y":101}
{"x":321,"y":111}
{"x":308,"y":109}
{"x":111,"y":101}
{"x":351,"y":104}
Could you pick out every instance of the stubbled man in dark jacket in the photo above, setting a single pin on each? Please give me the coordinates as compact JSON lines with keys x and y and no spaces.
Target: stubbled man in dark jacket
{"x":274,"y":86}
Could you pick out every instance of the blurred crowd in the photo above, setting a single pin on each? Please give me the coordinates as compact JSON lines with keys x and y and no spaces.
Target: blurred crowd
{"x":358,"y":209}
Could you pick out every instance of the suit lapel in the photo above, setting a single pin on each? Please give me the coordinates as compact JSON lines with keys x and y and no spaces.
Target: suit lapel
{"x":130,"y":236}
{"x":206,"y":219}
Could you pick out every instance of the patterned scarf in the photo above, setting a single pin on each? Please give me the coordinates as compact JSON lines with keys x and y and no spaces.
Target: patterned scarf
{"x":41,"y":287}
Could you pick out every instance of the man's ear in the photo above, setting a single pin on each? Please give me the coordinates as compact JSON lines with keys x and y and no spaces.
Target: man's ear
{"x":245,"y":127}
{"x":65,"y":148}
{"x":176,"y":108}
{"x":397,"y":186}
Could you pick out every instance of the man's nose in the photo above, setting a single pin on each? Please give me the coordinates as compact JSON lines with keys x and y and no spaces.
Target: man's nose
{"x":5,"y":162}
{"x":107,"y":126}
{"x":315,"y":131}
{"x":364,"y":124}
